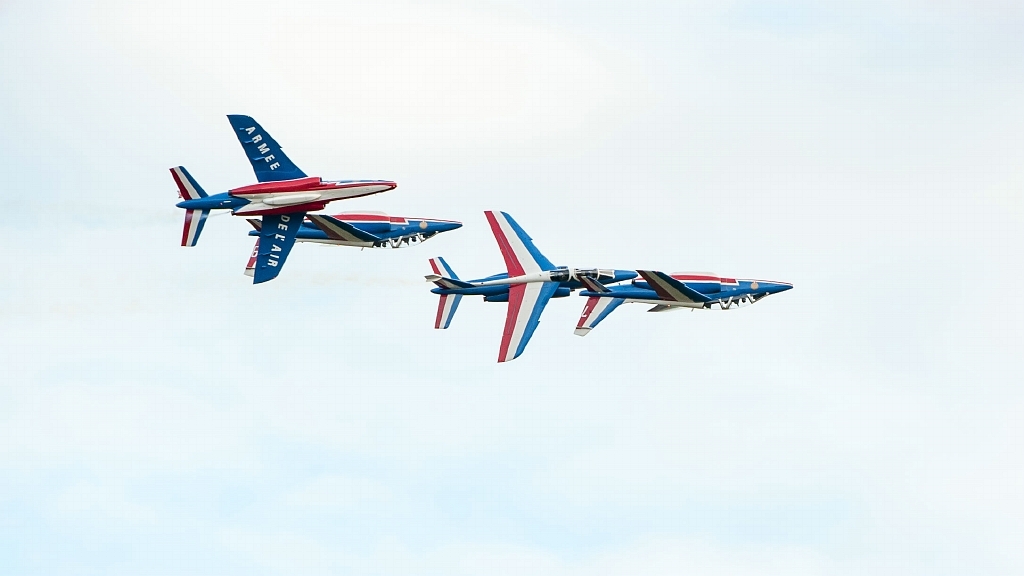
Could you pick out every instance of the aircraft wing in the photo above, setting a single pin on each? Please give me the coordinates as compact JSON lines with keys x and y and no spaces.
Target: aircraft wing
{"x":521,"y":256}
{"x":338,"y":230}
{"x":526,"y":303}
{"x":668,"y":288}
{"x":268,"y":161}
{"x":277,"y":236}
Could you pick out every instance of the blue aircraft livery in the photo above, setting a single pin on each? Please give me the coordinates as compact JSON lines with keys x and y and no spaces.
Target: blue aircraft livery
{"x":282,"y":198}
{"x":529,"y":282}
{"x":268,"y":160}
{"x":672,"y":292}
{"x":360,"y":229}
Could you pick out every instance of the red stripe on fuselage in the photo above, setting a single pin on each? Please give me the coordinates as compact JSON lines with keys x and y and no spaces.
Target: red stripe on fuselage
{"x":511,"y":261}
{"x":311,"y":184}
{"x":697,"y":278}
{"x":296,"y":185}
{"x":352,"y":217}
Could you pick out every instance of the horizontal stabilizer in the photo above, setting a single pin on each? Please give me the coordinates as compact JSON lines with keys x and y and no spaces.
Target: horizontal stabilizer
{"x":194,"y":222}
{"x":446,"y":307}
{"x":449,"y":283}
{"x":255,"y":223}
{"x":663,"y":308}
{"x":668,"y":288}
{"x":595,"y":310}
{"x":343,"y":231}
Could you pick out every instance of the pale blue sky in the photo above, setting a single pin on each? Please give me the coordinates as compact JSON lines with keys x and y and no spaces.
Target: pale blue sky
{"x":866,"y":422}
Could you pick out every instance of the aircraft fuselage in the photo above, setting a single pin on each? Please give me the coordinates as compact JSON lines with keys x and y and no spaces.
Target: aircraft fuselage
{"x":492,"y":288}
{"x":722,"y":291}
{"x":287,"y":196}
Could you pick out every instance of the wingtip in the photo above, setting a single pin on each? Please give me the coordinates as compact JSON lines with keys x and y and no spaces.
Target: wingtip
{"x":581,"y":331}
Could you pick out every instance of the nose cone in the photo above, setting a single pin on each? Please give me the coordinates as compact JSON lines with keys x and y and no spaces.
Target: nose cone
{"x":446,"y":226}
{"x":776,"y":287}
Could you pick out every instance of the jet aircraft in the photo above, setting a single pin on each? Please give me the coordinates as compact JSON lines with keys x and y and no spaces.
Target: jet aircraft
{"x":282,"y":197}
{"x":362,"y":229}
{"x":672,"y":292}
{"x":527,"y":285}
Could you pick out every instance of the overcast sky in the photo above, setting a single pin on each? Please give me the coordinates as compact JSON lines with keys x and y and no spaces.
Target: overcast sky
{"x":159,"y":414}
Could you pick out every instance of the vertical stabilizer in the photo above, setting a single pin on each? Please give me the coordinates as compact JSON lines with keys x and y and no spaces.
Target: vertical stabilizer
{"x":188,"y":188}
{"x":441,"y":268}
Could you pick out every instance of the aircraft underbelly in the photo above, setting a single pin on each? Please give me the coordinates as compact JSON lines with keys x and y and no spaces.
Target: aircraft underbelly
{"x":656,"y":302}
{"x":353,"y":191}
{"x":330,"y":242}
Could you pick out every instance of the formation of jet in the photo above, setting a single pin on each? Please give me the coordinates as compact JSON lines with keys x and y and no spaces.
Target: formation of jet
{"x":280,"y":209}
{"x":529,"y":282}
{"x":282,"y":199}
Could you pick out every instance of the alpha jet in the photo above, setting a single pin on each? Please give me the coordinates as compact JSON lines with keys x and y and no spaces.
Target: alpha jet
{"x":672,"y":292}
{"x":281,"y":199}
{"x":360,"y":229}
{"x":530,"y":281}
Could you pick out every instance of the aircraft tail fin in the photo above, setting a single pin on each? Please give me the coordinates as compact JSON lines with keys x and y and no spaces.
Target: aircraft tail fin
{"x":521,"y":256}
{"x":441,"y":268}
{"x":446,"y":308}
{"x":444,"y":276}
{"x":595,"y":310}
{"x":188,"y":188}
{"x":194,"y":222}
{"x":268,"y":161}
